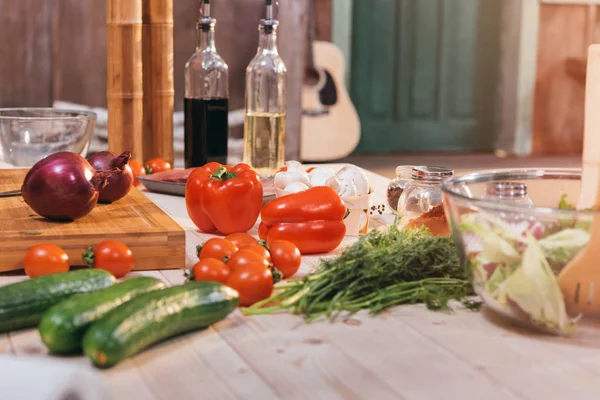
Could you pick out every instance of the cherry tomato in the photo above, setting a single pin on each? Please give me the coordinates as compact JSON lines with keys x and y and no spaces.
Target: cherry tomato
{"x":253,"y":282}
{"x":157,"y":165}
{"x":111,"y":256}
{"x":211,"y":269}
{"x":258,"y":248}
{"x":138,"y":170}
{"x":218,"y":248}
{"x":45,"y":259}
{"x":245,"y":257}
{"x":240,"y":239}
{"x":286,"y":257}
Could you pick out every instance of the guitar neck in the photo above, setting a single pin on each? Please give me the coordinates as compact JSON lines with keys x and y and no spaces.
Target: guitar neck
{"x":310,"y":58}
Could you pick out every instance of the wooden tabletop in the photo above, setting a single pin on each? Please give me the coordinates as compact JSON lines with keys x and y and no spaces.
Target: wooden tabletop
{"x":407,"y":353}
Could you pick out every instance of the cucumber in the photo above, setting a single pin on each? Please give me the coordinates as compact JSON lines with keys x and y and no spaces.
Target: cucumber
{"x":22,"y":304}
{"x":62,"y":327}
{"x":155,"y":316}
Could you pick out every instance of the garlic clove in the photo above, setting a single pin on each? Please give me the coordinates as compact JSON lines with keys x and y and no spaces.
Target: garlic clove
{"x":319,"y":176}
{"x":356,"y":175}
{"x":295,"y":187}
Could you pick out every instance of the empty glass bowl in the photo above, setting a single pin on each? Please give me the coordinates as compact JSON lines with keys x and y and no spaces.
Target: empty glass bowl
{"x":28,"y":135}
{"x":514,"y":252}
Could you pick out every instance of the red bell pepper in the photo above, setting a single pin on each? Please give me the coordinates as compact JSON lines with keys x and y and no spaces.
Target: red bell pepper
{"x":224,"y":198}
{"x":313,"y":220}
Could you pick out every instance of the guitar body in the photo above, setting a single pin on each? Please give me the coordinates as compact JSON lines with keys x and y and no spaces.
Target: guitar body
{"x":330,"y":123}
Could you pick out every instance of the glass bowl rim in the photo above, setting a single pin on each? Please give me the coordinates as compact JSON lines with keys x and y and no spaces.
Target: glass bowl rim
{"x":59,"y":114}
{"x":488,"y":175}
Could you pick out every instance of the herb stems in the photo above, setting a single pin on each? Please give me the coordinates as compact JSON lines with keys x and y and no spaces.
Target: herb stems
{"x":381,"y":270}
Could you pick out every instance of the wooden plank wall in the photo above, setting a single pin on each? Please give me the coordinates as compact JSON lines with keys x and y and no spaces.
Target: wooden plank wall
{"x":56,"y":50}
{"x":565,"y":32}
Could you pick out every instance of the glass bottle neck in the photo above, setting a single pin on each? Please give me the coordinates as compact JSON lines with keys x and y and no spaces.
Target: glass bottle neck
{"x":206,"y":40}
{"x":267,"y":41}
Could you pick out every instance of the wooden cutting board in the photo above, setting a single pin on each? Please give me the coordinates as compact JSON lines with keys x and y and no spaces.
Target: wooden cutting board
{"x":155,"y":239}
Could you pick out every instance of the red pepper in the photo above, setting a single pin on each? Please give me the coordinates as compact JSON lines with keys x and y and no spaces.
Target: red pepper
{"x":313,"y":220}
{"x":224,"y":198}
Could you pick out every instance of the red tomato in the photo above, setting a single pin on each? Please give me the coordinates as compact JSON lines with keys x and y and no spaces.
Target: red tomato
{"x":253,"y":282}
{"x":157,"y":165}
{"x":286,"y":257}
{"x":138,"y":170}
{"x":45,"y":259}
{"x":218,"y":248}
{"x":258,"y":248}
{"x":240,"y":239}
{"x":111,"y":256}
{"x":245,"y":257}
{"x":211,"y":269}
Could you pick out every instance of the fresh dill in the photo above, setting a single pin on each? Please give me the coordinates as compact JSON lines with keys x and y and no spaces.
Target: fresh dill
{"x":381,"y":270}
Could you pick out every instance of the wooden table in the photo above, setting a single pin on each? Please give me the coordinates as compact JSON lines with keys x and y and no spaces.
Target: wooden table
{"x":406,"y":353}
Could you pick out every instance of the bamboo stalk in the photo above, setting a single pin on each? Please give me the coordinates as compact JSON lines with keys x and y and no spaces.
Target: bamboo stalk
{"x":124,"y":76}
{"x":159,"y":90}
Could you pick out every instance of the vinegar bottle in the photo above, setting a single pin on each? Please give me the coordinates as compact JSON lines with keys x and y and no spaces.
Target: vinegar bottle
{"x":264,"y":125}
{"x":206,"y":98}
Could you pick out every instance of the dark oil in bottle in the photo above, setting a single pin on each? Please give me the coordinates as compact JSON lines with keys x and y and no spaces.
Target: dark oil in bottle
{"x":206,"y":131}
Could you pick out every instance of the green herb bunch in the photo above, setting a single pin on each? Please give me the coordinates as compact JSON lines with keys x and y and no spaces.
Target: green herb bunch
{"x":381,"y":270}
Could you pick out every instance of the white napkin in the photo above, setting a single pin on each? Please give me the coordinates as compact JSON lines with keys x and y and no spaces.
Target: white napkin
{"x":35,"y":378}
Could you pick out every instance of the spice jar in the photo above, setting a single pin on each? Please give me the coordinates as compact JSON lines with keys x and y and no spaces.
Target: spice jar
{"x":397,"y":185}
{"x":423,"y":191}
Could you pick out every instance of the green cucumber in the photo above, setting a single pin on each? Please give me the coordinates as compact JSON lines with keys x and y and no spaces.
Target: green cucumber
{"x":155,"y":316}
{"x":62,"y":327}
{"x":23,"y":304}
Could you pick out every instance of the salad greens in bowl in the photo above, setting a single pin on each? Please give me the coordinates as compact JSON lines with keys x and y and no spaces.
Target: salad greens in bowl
{"x":514,"y":243}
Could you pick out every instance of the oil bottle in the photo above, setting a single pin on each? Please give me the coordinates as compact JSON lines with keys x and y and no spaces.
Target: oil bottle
{"x":265,"y":121}
{"x":206,"y":98}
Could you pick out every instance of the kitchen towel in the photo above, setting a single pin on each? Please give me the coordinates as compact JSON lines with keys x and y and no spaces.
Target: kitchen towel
{"x":36,"y":378}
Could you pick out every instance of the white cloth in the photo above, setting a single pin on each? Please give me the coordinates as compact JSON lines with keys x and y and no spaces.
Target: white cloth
{"x":36,"y":378}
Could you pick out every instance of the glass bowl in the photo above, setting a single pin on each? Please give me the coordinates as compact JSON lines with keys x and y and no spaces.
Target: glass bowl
{"x":514,"y":251}
{"x":28,"y":135}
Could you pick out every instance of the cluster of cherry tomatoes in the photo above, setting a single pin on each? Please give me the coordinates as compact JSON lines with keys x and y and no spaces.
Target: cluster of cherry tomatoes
{"x":46,"y":259}
{"x":152,"y":166}
{"x":249,"y":266}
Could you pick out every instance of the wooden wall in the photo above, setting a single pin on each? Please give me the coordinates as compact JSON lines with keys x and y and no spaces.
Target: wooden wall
{"x":56,"y":50}
{"x":565,"y":32}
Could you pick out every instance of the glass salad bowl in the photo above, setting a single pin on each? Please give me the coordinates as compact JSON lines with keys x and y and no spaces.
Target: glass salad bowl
{"x":514,"y":246}
{"x":28,"y":135}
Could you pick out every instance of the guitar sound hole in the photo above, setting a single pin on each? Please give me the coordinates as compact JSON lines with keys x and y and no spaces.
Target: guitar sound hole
{"x":311,"y":77}
{"x":328,"y":94}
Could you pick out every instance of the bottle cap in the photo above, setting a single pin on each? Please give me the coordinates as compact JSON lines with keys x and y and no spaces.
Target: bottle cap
{"x":431,"y":173}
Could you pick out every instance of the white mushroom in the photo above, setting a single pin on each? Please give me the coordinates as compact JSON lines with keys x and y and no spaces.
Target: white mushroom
{"x":295,"y":187}
{"x":357,"y":176}
{"x":293,"y":174}
{"x":319,"y":176}
{"x":348,"y":189}
{"x":343,"y":189}
{"x":334,"y":184}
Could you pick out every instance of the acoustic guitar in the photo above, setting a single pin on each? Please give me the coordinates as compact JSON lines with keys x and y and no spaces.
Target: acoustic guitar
{"x":330,"y":123}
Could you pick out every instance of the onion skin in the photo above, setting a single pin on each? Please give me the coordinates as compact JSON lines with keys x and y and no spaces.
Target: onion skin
{"x":62,"y":187}
{"x":120,"y":180}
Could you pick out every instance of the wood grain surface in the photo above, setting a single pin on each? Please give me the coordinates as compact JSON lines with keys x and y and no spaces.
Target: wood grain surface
{"x":407,"y":353}
{"x":566,"y":31}
{"x":155,"y":239}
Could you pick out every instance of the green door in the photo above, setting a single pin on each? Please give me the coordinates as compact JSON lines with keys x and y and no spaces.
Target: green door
{"x":425,"y":74}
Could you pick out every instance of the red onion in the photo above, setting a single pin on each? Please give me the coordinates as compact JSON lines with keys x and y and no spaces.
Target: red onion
{"x":121,"y":178}
{"x":63,"y":186}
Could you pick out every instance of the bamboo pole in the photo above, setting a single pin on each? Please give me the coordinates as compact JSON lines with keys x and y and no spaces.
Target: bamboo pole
{"x":124,"y":76}
{"x":159,"y":89}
